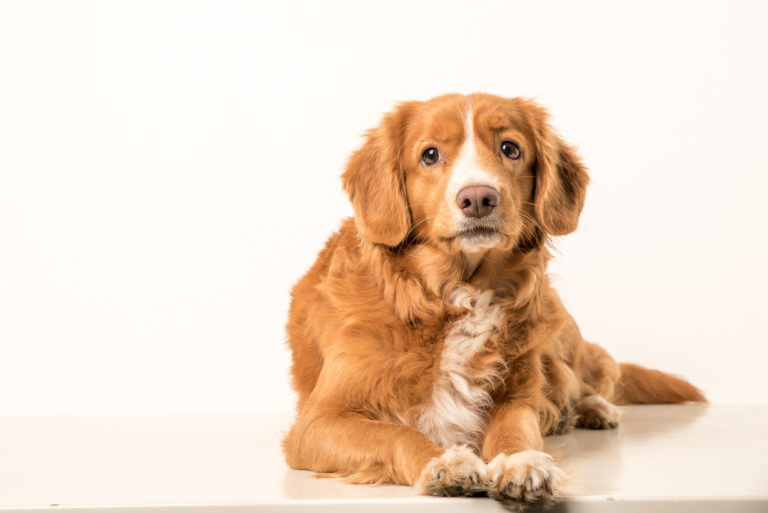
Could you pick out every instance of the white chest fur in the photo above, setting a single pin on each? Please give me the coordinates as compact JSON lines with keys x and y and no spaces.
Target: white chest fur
{"x":455,"y":414}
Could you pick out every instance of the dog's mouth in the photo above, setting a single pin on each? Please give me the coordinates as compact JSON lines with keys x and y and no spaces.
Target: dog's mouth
{"x":477,"y":232}
{"x":474,"y":233}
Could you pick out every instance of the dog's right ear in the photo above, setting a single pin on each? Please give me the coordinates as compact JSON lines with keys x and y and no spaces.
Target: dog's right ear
{"x":375,"y":182}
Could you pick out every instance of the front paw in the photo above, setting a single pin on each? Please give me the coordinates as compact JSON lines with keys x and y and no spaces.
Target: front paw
{"x":524,"y":478}
{"x":459,"y":471}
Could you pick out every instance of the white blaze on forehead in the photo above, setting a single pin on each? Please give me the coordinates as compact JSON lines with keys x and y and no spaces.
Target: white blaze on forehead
{"x":467,"y":168}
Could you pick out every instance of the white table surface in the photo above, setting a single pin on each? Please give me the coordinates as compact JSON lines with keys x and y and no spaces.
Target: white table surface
{"x":663,"y":458}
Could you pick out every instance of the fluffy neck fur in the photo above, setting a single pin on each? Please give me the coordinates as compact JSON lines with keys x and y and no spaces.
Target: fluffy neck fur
{"x":418,"y":280}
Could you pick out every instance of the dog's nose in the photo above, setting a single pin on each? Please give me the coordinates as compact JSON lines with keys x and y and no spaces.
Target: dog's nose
{"x":477,"y":200}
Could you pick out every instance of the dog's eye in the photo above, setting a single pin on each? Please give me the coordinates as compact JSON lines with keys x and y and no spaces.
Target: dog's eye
{"x":430,"y":156}
{"x":511,"y":150}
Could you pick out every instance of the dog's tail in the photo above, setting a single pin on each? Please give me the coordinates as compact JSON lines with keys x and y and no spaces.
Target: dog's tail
{"x":638,"y":385}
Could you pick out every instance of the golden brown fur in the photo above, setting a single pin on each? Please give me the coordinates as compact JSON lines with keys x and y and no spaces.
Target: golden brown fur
{"x":368,"y":323}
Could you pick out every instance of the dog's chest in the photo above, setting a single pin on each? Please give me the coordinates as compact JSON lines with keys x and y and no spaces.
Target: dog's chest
{"x":469,"y":365}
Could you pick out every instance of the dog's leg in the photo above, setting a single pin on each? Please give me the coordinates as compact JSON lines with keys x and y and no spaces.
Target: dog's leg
{"x":519,"y":472}
{"x":365,"y":450}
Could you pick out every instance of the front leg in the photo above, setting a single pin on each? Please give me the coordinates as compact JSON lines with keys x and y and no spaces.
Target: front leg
{"x":363,"y":450}
{"x":519,"y":472}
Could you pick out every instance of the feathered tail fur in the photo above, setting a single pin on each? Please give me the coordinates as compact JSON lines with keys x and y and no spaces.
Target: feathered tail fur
{"x":638,"y":385}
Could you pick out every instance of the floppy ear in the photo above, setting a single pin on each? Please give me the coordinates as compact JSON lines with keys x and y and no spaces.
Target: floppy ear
{"x":561,"y":182}
{"x":375,"y":182}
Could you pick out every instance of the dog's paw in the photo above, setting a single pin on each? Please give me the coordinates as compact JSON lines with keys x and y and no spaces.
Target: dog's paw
{"x":524,"y":478}
{"x":459,"y":471}
{"x":594,"y":412}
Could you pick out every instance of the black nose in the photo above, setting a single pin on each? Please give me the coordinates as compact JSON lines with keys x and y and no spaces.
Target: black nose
{"x":477,"y":200}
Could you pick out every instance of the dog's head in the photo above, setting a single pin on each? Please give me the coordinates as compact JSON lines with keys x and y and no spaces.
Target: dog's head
{"x":465,"y":173}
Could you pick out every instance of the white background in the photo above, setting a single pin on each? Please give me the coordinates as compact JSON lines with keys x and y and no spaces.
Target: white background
{"x":169,"y":169}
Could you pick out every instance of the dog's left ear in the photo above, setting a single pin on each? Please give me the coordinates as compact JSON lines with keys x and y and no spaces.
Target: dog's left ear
{"x":375,"y":182}
{"x":561,"y":180}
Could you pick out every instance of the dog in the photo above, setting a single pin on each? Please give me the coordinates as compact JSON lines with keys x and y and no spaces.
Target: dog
{"x":429,"y":348}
